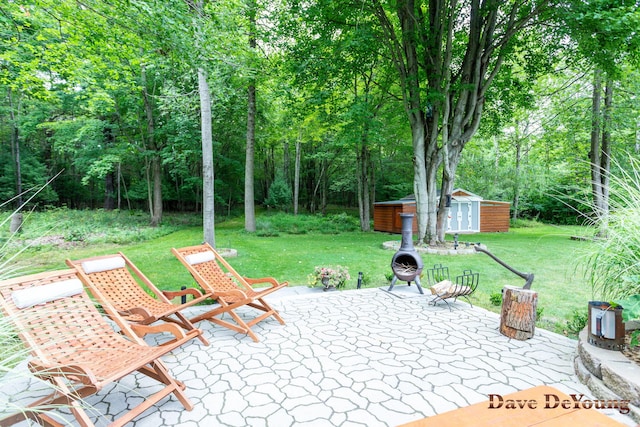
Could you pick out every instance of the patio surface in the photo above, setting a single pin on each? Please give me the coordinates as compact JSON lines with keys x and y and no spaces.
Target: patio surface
{"x":353,"y":358}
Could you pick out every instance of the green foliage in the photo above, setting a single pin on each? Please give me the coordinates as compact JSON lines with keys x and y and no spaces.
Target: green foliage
{"x":604,"y":31}
{"x":496,"y":299}
{"x":439,"y":276}
{"x":577,"y":322}
{"x":334,"y":276}
{"x":273,"y":224}
{"x":71,"y":227}
{"x":34,"y":174}
{"x":279,"y":195}
{"x":631,"y":312}
{"x":613,"y":266}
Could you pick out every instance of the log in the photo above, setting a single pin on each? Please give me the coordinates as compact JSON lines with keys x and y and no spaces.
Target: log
{"x":518,"y":316}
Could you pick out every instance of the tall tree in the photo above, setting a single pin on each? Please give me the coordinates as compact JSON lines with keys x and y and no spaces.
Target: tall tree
{"x":447,"y":54}
{"x":606,"y":36}
{"x":249,"y":196}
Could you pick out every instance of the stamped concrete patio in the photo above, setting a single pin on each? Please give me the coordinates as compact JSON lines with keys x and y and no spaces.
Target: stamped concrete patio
{"x":352,"y":358}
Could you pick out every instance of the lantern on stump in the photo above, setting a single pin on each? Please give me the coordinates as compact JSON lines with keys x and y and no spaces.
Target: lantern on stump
{"x":606,"y":328}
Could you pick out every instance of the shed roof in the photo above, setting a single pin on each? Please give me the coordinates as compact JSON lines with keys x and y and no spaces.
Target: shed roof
{"x":462,"y":196}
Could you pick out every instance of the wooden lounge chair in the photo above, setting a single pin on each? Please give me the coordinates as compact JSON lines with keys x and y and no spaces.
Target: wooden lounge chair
{"x":444,"y":289}
{"x":214,"y":274}
{"x":74,"y":348}
{"x":114,"y":278}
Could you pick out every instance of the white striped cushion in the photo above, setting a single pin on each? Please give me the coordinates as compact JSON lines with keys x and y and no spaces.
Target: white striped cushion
{"x":42,"y":294}
{"x":200,"y":257}
{"x":105,"y":264}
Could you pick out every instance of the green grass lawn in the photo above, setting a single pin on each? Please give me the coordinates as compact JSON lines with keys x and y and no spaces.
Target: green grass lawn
{"x":544,"y":250}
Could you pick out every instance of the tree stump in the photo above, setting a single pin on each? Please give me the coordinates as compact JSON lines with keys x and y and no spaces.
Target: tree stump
{"x":518,"y":316}
{"x":16,"y":223}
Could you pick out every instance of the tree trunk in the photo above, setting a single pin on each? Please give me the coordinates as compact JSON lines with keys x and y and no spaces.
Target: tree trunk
{"x":323,"y":187}
{"x":420,"y":180}
{"x":594,"y":153}
{"x":118,"y":180}
{"x":147,"y":172}
{"x":155,"y":200}
{"x":16,"y":223}
{"x":208,"y":211}
{"x":286,"y":167}
{"x":109,"y":192}
{"x":600,"y":154}
{"x":605,"y":158}
{"x":516,"y":180}
{"x":16,"y":220}
{"x":296,"y":179}
{"x":249,"y":198}
{"x":156,"y":173}
{"x":363,"y":186}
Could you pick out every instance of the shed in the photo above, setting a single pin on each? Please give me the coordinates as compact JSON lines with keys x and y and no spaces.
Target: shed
{"x":464,"y":212}
{"x":386,"y":215}
{"x":468,"y":213}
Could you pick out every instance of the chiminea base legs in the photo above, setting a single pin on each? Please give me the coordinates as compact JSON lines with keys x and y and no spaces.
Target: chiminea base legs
{"x":416,"y":279}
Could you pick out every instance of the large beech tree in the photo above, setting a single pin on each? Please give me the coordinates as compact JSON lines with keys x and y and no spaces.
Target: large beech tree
{"x":447,"y":54}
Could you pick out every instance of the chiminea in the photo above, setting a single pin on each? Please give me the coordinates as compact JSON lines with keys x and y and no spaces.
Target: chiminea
{"x":407,"y":264}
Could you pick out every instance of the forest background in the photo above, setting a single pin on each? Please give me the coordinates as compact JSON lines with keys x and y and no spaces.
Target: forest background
{"x":304,"y":104}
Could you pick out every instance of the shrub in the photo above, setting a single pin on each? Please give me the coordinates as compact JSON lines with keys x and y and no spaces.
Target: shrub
{"x":279,"y":222}
{"x":496,"y":298}
{"x":279,"y":196}
{"x":337,"y":276}
{"x":577,"y":322}
{"x":613,"y":265}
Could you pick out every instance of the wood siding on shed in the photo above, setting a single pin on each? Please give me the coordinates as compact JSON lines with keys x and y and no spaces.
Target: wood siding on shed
{"x":386,"y":216}
{"x":494,"y":216}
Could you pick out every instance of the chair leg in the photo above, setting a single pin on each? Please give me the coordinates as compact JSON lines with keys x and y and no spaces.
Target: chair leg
{"x":267,"y":308}
{"x":240,"y":326}
{"x":188,"y":325}
{"x":178,"y":391}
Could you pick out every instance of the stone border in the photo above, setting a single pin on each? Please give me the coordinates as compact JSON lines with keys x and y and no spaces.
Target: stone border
{"x":395,"y":245}
{"x":227,"y":252}
{"x":608,"y":374}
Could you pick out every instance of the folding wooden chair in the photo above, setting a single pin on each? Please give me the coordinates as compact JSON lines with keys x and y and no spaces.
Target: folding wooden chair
{"x":214,"y":274}
{"x":114,"y":278}
{"x":76,"y":350}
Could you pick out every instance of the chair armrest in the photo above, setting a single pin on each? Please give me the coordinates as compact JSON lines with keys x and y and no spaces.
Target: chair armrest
{"x":75,"y":372}
{"x":142,"y":330}
{"x":189,"y":291}
{"x":236,"y":293}
{"x":270,"y":280}
{"x":138,"y":311}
